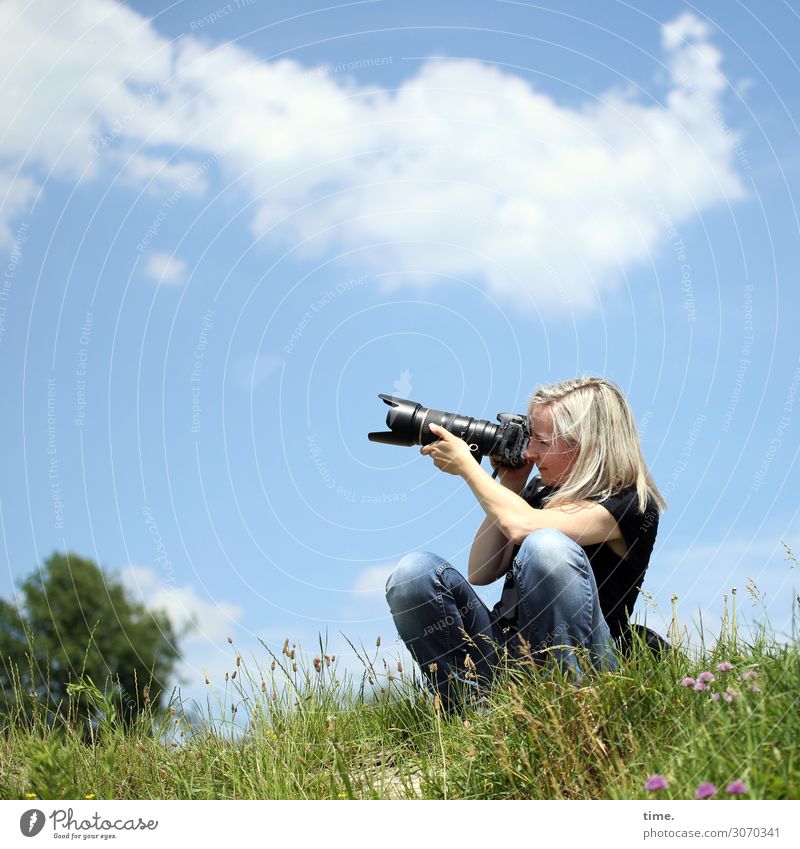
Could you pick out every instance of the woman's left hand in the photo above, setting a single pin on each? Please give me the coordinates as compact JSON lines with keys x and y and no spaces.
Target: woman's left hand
{"x":450,"y":454}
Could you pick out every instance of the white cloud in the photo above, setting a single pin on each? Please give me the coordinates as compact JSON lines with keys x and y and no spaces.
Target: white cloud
{"x":464,"y":170}
{"x":209,"y":621}
{"x":165,"y":268}
{"x":372,"y":581}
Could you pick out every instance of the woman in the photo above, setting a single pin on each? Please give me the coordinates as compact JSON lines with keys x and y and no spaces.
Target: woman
{"x":573,"y":545}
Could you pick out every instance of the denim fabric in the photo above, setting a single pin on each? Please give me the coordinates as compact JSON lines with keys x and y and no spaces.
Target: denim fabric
{"x":549,"y":599}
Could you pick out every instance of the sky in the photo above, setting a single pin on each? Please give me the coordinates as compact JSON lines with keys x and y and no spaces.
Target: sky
{"x":225,"y":228}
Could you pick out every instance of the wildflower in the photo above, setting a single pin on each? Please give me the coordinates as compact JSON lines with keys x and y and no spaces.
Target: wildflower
{"x":317,"y":665}
{"x":729,"y":696}
{"x":715,"y":697}
{"x":238,"y":660}
{"x":294,"y":667}
{"x":700,"y":686}
{"x":706,"y":677}
{"x":291,"y":654}
{"x":285,"y":648}
{"x":226,"y":676}
{"x":754,"y":688}
{"x":737,"y":788}
{"x":272,"y":666}
{"x":207,"y":680}
{"x":263,"y":686}
{"x":378,"y":641}
{"x":233,"y":676}
{"x":433,"y":667}
{"x":688,"y":682}
{"x":750,"y":675}
{"x":327,"y":660}
{"x":656,"y":782}
{"x":437,"y":704}
{"x":399,"y":667}
{"x":725,"y":666}
{"x":333,"y":658}
{"x":30,"y":795}
{"x":705,"y":791}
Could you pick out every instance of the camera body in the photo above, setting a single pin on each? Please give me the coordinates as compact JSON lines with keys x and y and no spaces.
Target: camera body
{"x":409,"y":424}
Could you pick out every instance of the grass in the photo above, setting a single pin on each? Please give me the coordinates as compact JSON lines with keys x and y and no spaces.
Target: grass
{"x":290,"y":732}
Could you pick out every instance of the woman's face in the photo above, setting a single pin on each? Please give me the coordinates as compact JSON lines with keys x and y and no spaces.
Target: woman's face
{"x":553,"y":457}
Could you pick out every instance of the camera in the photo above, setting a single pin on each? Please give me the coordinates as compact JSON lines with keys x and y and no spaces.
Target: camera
{"x":408,"y":423}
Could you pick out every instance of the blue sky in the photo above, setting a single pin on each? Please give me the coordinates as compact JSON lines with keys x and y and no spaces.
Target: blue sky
{"x":227,"y":228}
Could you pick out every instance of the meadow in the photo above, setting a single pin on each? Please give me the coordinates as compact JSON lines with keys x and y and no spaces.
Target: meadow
{"x":717,"y":721}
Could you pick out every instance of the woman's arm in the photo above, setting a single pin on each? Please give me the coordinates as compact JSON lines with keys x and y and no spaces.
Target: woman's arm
{"x":490,"y":554}
{"x":585,"y":522}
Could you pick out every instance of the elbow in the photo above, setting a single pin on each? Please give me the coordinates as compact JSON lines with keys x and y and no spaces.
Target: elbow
{"x":517,"y":534}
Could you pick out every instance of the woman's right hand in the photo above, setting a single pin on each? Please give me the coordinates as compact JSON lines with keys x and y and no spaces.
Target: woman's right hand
{"x":513,"y":479}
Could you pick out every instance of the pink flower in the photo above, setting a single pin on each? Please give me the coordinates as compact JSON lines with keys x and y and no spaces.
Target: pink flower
{"x":706,"y":677}
{"x":750,"y":675}
{"x":725,"y":666}
{"x":715,"y":697}
{"x":705,"y":791}
{"x":754,"y":688}
{"x":700,"y":686}
{"x":737,"y":788}
{"x":687,"y":682}
{"x":656,"y":782}
{"x":729,"y":696}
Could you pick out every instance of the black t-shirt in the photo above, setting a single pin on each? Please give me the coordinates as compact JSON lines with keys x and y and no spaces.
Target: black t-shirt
{"x":618,"y":580}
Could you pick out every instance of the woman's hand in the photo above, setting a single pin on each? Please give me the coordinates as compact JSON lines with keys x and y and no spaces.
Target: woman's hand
{"x":513,"y":479}
{"x":450,"y":454}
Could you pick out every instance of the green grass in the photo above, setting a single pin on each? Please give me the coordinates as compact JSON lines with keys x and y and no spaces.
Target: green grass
{"x":281,"y":733}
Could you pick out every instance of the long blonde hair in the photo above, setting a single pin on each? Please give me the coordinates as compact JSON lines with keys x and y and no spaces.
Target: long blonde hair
{"x":592,"y":414}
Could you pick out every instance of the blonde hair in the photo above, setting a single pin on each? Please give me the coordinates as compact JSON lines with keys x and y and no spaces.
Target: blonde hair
{"x":592,"y":414}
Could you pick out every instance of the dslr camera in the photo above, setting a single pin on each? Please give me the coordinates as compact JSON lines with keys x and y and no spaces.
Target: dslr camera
{"x":408,"y":424}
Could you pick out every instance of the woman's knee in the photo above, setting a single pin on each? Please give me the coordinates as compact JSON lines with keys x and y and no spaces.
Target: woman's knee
{"x":412,"y":576}
{"x":548,"y":555}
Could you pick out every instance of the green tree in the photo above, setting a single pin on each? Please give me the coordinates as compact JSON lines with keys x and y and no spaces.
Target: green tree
{"x":75,"y":621}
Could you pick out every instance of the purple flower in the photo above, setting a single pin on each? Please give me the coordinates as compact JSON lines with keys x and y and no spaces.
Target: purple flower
{"x":715,"y":697}
{"x":705,"y":791}
{"x":700,"y":686}
{"x":656,"y":782}
{"x":754,"y":688}
{"x":725,"y":666}
{"x":750,"y":675}
{"x":706,"y":677}
{"x":729,"y":696}
{"x":736,"y":788}
{"x":687,"y":682}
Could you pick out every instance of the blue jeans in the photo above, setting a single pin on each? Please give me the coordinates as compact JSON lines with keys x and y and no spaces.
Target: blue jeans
{"x":549,"y":599}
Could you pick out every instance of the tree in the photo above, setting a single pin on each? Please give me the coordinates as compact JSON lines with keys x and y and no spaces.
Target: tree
{"x":76,"y":621}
